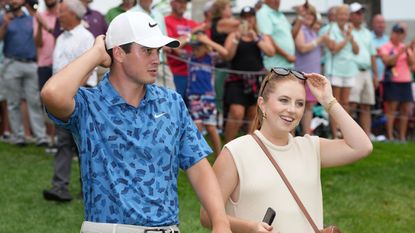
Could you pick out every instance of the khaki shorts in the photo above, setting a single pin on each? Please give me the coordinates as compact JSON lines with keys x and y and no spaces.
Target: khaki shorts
{"x":363,"y":91}
{"x":94,"y":227}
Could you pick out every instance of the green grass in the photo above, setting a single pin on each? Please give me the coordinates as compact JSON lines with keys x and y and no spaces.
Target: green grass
{"x":373,"y":195}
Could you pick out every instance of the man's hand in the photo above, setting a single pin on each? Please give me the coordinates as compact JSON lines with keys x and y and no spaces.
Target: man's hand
{"x":99,"y":45}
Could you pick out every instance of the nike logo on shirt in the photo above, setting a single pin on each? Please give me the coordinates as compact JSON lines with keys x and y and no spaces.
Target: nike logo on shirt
{"x":159,"y":115}
{"x":152,"y":25}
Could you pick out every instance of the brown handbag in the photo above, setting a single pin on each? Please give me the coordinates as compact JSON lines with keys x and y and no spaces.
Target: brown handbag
{"x":329,"y":229}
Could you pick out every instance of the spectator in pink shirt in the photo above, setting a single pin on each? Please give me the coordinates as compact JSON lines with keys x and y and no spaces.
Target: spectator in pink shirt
{"x":397,"y":90}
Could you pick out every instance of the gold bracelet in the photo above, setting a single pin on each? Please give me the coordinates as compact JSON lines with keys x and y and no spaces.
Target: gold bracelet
{"x":330,"y":105}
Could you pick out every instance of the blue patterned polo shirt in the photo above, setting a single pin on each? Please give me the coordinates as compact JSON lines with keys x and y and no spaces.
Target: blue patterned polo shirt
{"x":130,"y":157}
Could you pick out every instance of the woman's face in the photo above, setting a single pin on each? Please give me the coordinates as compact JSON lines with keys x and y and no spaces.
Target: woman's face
{"x":284,"y":107}
{"x":309,"y":19}
{"x":227,"y":11}
{"x":342,"y":16}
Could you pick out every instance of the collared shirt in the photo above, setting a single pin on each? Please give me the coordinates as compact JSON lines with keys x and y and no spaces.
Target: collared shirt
{"x":366,"y":47}
{"x":69,"y":46}
{"x":130,"y":156}
{"x":18,"y":41}
{"x":379,"y":42}
{"x":113,"y":12}
{"x":45,"y":53}
{"x":275,"y":24}
{"x":159,"y":18}
{"x":342,"y":64}
{"x":95,"y":22}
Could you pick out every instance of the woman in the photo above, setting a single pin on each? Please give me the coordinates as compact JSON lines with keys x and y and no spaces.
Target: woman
{"x":308,"y":54}
{"x":245,"y":48}
{"x":250,"y":184}
{"x":342,"y":67}
{"x":396,"y":83}
{"x":222,"y":24}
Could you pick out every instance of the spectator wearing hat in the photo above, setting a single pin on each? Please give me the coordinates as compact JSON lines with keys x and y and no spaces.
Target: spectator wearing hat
{"x":362,"y":95}
{"x":245,"y":48}
{"x":123,"y":7}
{"x":343,"y":69}
{"x":132,"y":136}
{"x":396,"y":83}
{"x":308,"y":56}
{"x":165,"y":75}
{"x":180,"y":28}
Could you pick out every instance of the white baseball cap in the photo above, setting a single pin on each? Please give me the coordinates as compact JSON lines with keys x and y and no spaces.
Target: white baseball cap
{"x":355,"y":7}
{"x":137,"y":27}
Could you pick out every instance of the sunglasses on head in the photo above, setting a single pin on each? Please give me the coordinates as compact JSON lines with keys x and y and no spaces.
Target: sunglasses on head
{"x":283,"y":72}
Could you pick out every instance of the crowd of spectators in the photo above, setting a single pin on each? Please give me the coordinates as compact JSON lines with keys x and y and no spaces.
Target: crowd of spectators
{"x":220,"y":63}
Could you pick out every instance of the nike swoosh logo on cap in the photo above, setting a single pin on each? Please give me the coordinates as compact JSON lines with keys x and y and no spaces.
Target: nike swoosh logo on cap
{"x":152,"y":25}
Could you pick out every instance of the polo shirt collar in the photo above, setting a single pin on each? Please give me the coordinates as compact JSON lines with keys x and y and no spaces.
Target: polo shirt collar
{"x":269,"y":9}
{"x":114,"y":98}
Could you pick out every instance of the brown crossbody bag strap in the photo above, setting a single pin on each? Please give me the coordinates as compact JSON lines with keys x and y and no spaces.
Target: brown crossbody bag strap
{"x":287,"y":183}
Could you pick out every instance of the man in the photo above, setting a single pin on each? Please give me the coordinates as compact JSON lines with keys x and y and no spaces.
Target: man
{"x":165,"y":76}
{"x":123,"y":7}
{"x":180,"y":28}
{"x":45,"y":43}
{"x":20,"y":72}
{"x":272,"y":22}
{"x":363,"y":92}
{"x":379,"y":39}
{"x":72,"y":43}
{"x":94,"y":21}
{"x":132,"y":136}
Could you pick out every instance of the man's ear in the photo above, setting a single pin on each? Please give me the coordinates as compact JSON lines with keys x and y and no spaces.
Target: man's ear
{"x":118,"y":54}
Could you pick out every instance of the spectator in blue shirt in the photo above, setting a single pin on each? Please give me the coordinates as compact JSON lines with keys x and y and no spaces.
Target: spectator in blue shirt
{"x":132,"y":135}
{"x":20,"y":77}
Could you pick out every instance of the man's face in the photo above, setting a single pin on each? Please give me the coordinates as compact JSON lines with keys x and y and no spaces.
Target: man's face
{"x":148,"y":58}
{"x":274,"y":4}
{"x":146,"y":4}
{"x":16,"y":4}
{"x":179,"y":6}
{"x":357,"y":17}
{"x":378,"y":24}
{"x":50,"y":3}
{"x":65,"y":16}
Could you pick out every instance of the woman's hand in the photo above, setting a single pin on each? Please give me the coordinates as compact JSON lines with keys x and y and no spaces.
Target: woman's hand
{"x":262,"y":227}
{"x":320,"y":87}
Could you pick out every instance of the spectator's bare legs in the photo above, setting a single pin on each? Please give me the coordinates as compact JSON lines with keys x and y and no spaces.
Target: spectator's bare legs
{"x":214,"y":136}
{"x":404,"y":110}
{"x":25,"y":119}
{"x":365,"y":118}
{"x":342,"y":95}
{"x":308,"y":115}
{"x":390,"y":117}
{"x":5,"y":126}
{"x":234,"y":121}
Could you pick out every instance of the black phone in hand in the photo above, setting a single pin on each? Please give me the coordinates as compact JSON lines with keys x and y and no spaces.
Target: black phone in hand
{"x":269,"y":216}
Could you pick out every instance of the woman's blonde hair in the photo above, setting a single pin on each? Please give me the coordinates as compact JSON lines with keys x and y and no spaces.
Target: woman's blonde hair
{"x":218,"y":7}
{"x":312,"y":10}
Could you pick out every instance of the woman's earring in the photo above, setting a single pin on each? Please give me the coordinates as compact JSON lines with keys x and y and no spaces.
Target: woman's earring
{"x":264,"y":115}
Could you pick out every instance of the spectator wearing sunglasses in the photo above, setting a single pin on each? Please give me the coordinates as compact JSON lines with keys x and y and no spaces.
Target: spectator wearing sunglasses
{"x":250,"y":183}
